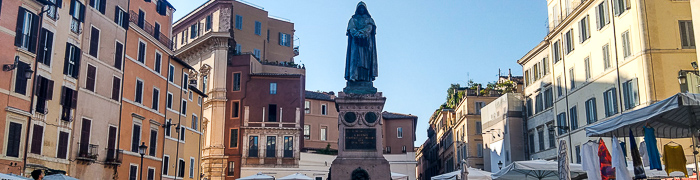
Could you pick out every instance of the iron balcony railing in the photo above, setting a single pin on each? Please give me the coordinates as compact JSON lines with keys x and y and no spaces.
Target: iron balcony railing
{"x":114,"y":156}
{"x":146,"y":26}
{"x":88,"y":154}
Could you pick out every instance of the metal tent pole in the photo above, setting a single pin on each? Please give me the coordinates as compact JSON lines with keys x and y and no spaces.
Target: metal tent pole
{"x":695,"y":153}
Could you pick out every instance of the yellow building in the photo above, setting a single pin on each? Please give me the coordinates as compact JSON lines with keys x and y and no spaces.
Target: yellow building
{"x":600,"y":59}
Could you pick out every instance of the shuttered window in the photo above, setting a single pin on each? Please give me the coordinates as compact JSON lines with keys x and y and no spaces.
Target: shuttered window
{"x":153,"y":142}
{"x":133,"y":172}
{"x":116,"y":88}
{"x":26,"y":32}
{"x":72,"y":60}
{"x":121,"y":17}
{"x":45,"y":50}
{"x":37,"y":139}
{"x":91,"y":76}
{"x":13,"y":139}
{"x":166,"y":163}
{"x":156,"y":99}
{"x":135,"y":138}
{"x":20,"y":79}
{"x":99,"y":5}
{"x":118,"y":55}
{"x":62,"y":145}
{"x":233,"y":138}
{"x":94,"y":41}
{"x":112,"y":143}
{"x":142,"y":52}
{"x":85,"y":137}
{"x":139,"y":91}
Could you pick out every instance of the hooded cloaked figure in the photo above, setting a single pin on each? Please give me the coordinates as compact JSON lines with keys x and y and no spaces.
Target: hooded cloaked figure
{"x":361,"y":59}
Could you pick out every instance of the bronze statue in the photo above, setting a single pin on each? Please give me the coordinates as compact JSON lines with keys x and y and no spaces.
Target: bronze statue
{"x":361,"y":59}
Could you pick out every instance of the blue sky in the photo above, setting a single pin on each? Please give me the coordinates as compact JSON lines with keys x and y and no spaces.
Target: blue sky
{"x":423,"y":46}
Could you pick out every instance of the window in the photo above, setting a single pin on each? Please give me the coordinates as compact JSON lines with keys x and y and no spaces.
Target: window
{"x":253,"y":146}
{"x":235,"y":109}
{"x":258,"y":27}
{"x":631,"y":93}
{"x":548,"y":98}
{"x":387,"y":150}
{"x":20,"y":79}
{"x":578,"y":154}
{"x":527,"y":77}
{"x":182,"y":133}
{"x":556,"y":51}
{"x":44,"y":88}
{"x":152,"y":147}
{"x":539,"y":105}
{"x":256,"y":53}
{"x":568,"y":41}
{"x":118,"y":55}
{"x":90,"y":80}
{"x":161,"y":8}
{"x":231,"y":168}
{"x":550,"y":132}
{"x":288,"y":146}
{"x":139,"y":91}
{"x":183,"y":39}
{"x":399,"y":132}
{"x":529,"y":109}
{"x":190,"y":95}
{"x":545,"y":66}
{"x":141,"y":19}
{"x":540,"y":138}
{"x":620,"y":6}
{"x":133,"y":172}
{"x":185,"y":78}
{"x":273,"y":88}
{"x":479,"y":150}
{"x":37,"y":139}
{"x":239,"y":48}
{"x":14,"y":136}
{"x":307,"y":131}
{"x":156,"y":99}
{"x":236,"y":81}
{"x":478,"y":127}
{"x":285,"y":39}
{"x":183,"y":107}
{"x":195,"y":122}
{"x":233,"y":138}
{"x":69,"y":100}
{"x":207,"y":23}
{"x":687,"y":36}
{"x":156,"y":64}
{"x":606,"y":56}
{"x":45,"y":47}
{"x":324,"y":133}
{"x":272,"y":113}
{"x":171,"y":73}
{"x":50,"y":11}
{"x":72,"y":61}
{"x":135,"y":138}
{"x":591,"y":111}
{"x":271,"y":146}
{"x":77,"y":11}
{"x":191,"y":167}
{"x":602,"y":17}
{"x":167,"y":130}
{"x":181,"y":168}
{"x":307,"y":107}
{"x":62,"y":145}
{"x":561,"y":122}
{"x":199,"y":100}
{"x":478,"y":106}
{"x":403,"y":149}
{"x":84,"y":138}
{"x":169,"y":101}
{"x":99,"y":5}
{"x":531,"y":137}
{"x":626,"y":46}
{"x":205,"y":81}
{"x":166,"y":161}
{"x":560,"y":90}
{"x":239,"y":22}
{"x":584,"y":29}
{"x":610,"y":100}
{"x":572,"y":79}
{"x":324,"y":110}
{"x":116,"y":88}
{"x":194,"y":30}
{"x":94,"y":42}
{"x":142,"y":52}
{"x":587,"y":67}
{"x":121,"y":17}
{"x":573,"y":117}
{"x":151,"y":174}
{"x":26,"y":32}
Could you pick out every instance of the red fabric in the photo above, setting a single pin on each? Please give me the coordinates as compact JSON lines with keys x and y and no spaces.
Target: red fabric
{"x":607,"y":172}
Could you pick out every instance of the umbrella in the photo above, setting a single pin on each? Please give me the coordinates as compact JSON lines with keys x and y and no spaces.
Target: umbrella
{"x":398,"y":176}
{"x":535,"y":169}
{"x":454,"y":175}
{"x":296,"y":176}
{"x":257,"y":176}
{"x":478,"y":174}
{"x":59,"y":177}
{"x":11,"y":177}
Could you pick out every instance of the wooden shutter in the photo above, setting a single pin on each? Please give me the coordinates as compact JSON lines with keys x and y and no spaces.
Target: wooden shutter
{"x":125,"y":21}
{"x":46,"y":47}
{"x":67,"y":59}
{"x":59,"y":3}
{"x":94,"y":41}
{"x":92,"y":3}
{"x":62,"y":145}
{"x":20,"y":26}
{"x":85,"y":136}
{"x":153,"y":142}
{"x":118,"y":55}
{"x":82,"y":12}
{"x":49,"y":90}
{"x":111,"y":143}
{"x":155,"y":97}
{"x":71,"y":11}
{"x":74,"y":99}
{"x":102,"y":6}
{"x":34,"y":31}
{"x":116,"y":87}
{"x":20,"y":80}
{"x":13,"y":139}
{"x":37,"y":135}
{"x":76,"y":58}
{"x":91,"y":75}
{"x":63,"y":95}
{"x":135,"y":138}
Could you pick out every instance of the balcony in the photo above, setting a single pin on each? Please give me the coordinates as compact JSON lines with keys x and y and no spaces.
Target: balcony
{"x":148,"y":28}
{"x":114,"y":157}
{"x":89,"y":154}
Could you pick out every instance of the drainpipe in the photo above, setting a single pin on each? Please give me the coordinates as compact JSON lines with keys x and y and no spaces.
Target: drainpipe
{"x":31,"y":97}
{"x":121,"y":104}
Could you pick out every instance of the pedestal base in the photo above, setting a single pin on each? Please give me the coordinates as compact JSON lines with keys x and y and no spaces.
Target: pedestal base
{"x":376,"y":168}
{"x":359,"y":87}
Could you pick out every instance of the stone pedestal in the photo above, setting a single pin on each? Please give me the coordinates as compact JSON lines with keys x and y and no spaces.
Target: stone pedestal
{"x":360,"y":140}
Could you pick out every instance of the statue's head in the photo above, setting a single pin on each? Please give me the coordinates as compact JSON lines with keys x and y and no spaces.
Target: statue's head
{"x":361,"y":9}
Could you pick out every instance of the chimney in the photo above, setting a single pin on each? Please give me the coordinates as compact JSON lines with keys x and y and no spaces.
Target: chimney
{"x":499,"y":72}
{"x":509,"y":74}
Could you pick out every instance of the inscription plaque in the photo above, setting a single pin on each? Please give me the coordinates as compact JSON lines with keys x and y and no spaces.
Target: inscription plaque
{"x":361,"y":139}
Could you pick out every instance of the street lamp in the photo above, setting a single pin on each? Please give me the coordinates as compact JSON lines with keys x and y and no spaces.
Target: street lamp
{"x":9,"y":67}
{"x":500,"y":165}
{"x":142,"y":151}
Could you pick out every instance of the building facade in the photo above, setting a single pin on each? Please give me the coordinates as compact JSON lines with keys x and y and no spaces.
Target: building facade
{"x":320,"y":121}
{"x":600,"y":59}
{"x":469,"y":144}
{"x":503,"y":135}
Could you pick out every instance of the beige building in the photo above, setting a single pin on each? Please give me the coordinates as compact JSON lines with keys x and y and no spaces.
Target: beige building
{"x":469,"y":144}
{"x":503,"y":135}
{"x":600,"y":59}
{"x":320,"y":121}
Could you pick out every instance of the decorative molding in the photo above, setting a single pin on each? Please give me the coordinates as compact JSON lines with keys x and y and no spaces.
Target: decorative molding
{"x":225,"y":19}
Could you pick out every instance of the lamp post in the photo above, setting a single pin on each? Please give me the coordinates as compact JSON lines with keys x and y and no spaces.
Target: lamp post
{"x":500,"y":165}
{"x":142,"y":151}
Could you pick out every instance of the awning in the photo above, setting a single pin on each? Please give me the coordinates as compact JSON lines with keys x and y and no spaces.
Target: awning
{"x":454,"y":175}
{"x":674,"y":117}
{"x":478,"y":174}
{"x":296,"y":176}
{"x":398,"y":176}
{"x":259,"y":176}
{"x":534,"y":169}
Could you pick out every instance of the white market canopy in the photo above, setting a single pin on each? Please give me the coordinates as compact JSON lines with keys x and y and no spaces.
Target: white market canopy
{"x":59,"y":177}
{"x":454,"y":175}
{"x":259,"y":176}
{"x":12,"y":177}
{"x":398,"y":176}
{"x":478,"y":174}
{"x":673,"y":117}
{"x":296,"y":176}
{"x":535,"y":169}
